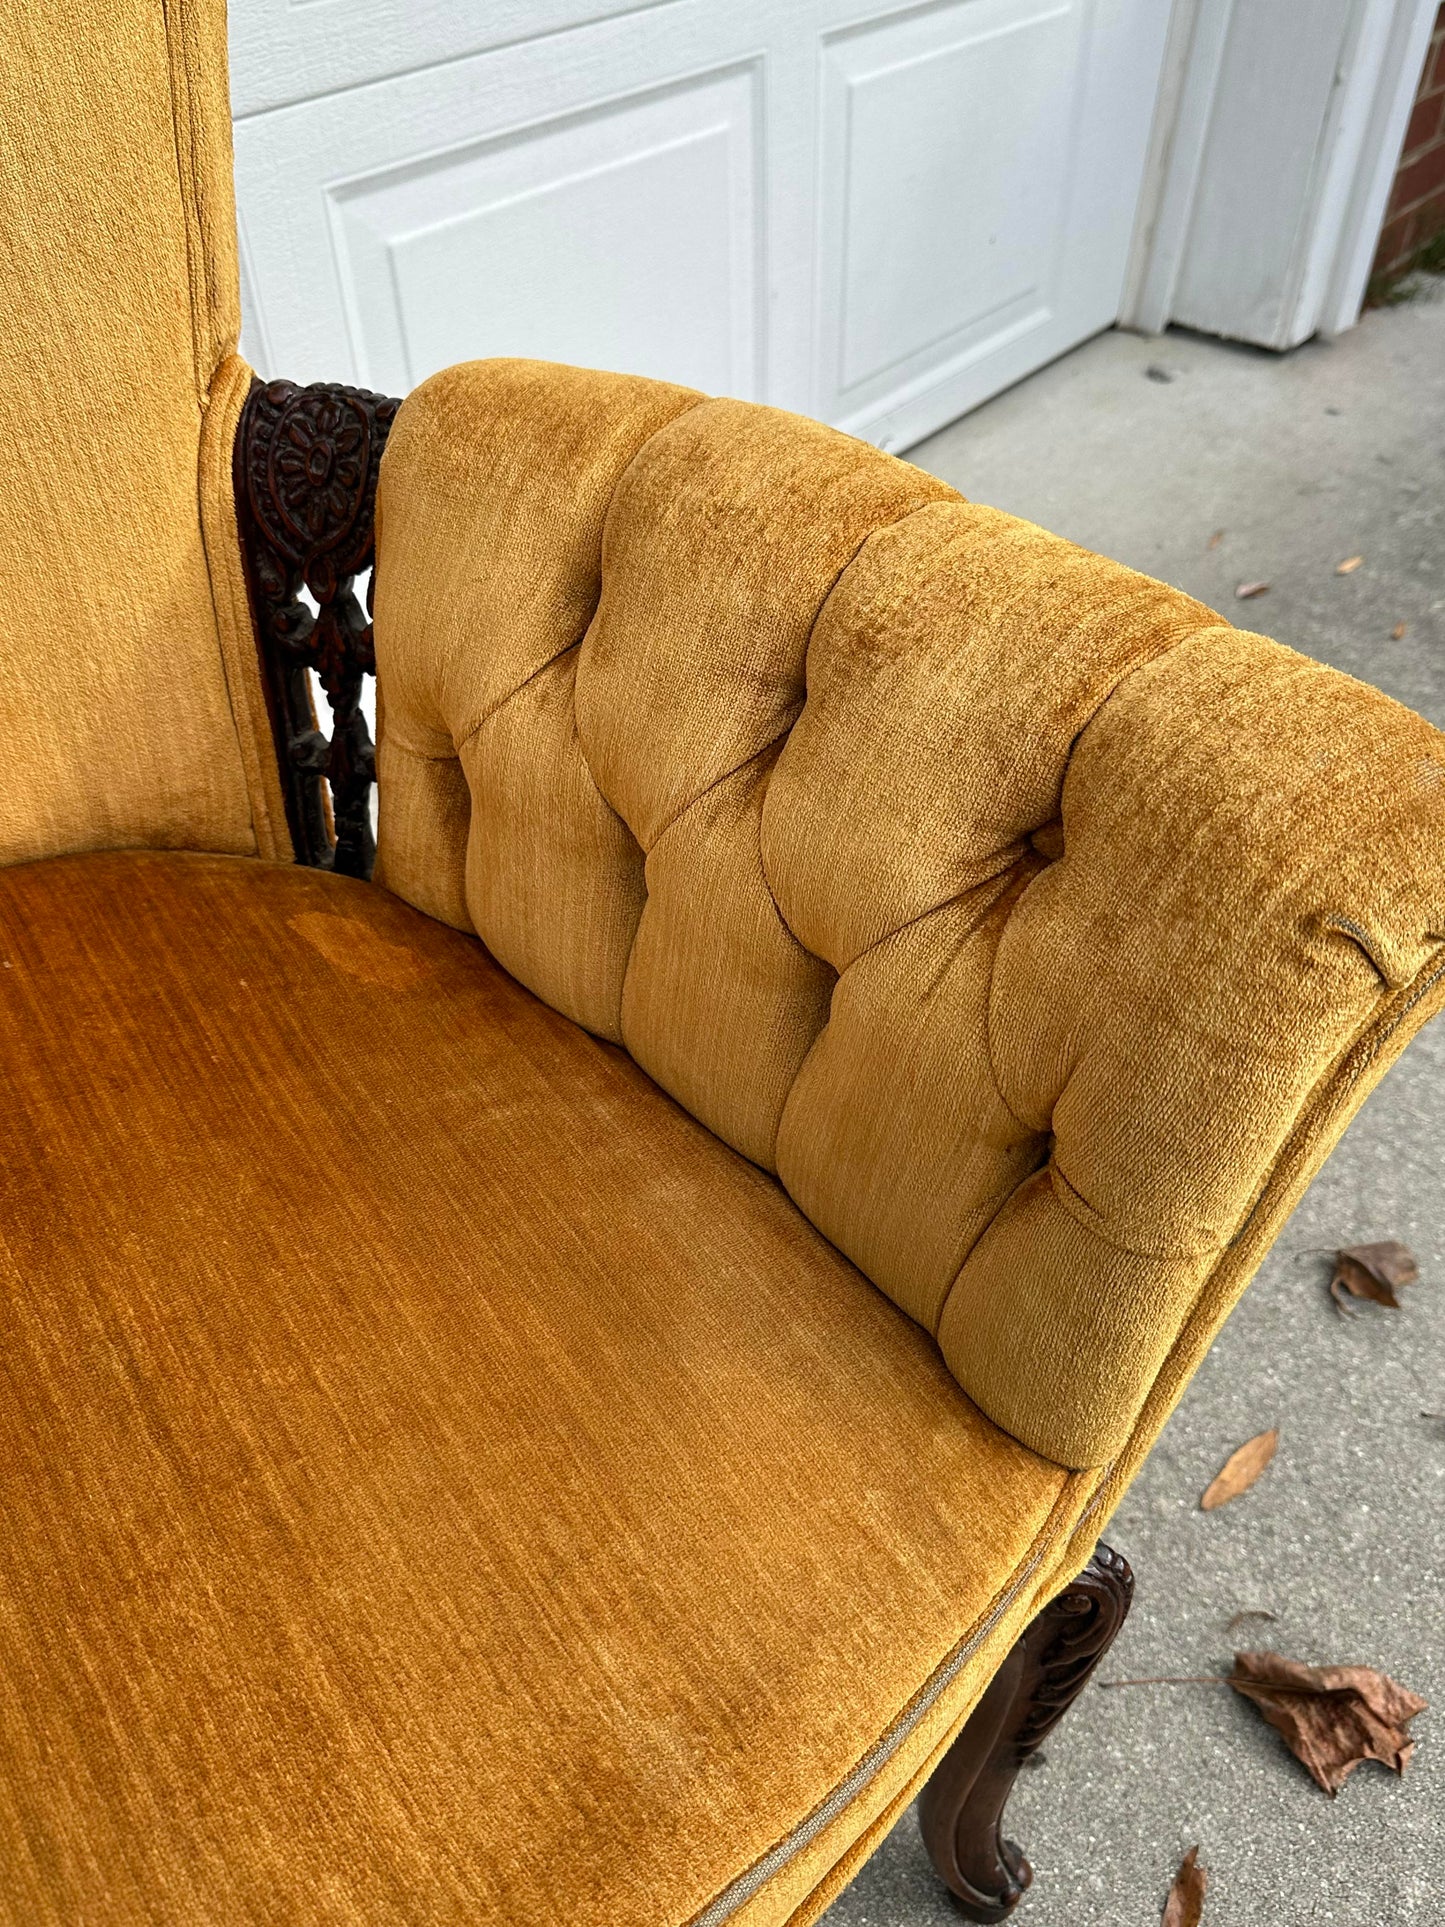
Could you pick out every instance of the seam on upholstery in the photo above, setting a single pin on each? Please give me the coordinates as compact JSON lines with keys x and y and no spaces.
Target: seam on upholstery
{"x":496,"y":709}
{"x":1360,"y":937}
{"x":866,"y":951}
{"x":813,"y":1041}
{"x":231,"y":609}
{"x":716,"y":782}
{"x":701,"y":401}
{"x":887,"y":1817}
{"x":1127,"y":675}
{"x":1339,"y":1068}
{"x":541,"y":668}
{"x":866,"y":1768}
{"x":827,"y":597}
{"x":183,"y":132}
{"x":787,"y":729}
{"x":502,"y":701}
{"x":421,"y":755}
{"x":778,"y":913}
{"x":1421,"y":989}
{"x":947,"y":903}
{"x":791,"y":934}
{"x":1147,"y":662}
{"x":779,"y":737}
{"x":1348,"y":1067}
{"x":1072,"y":1200}
{"x":988,"y":1056}
{"x":1334,"y":1083}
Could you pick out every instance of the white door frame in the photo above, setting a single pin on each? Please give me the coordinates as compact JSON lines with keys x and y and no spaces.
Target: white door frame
{"x":1356,"y":131}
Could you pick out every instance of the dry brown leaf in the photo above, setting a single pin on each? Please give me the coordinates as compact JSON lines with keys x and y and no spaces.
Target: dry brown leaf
{"x":1330,"y":1717}
{"x":1398,"y":631}
{"x":1215,"y":539}
{"x":1247,"y":589}
{"x":1349,"y":565}
{"x":1240,"y":1470}
{"x":1374,"y":1271}
{"x":1185,"y":1905}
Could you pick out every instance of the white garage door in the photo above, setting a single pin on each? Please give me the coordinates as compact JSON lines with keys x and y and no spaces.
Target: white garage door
{"x":879,"y":215}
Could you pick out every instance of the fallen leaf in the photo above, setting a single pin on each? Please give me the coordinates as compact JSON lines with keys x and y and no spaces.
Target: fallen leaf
{"x":1373,"y":1271}
{"x":1398,"y":631}
{"x":1251,"y":1612}
{"x":1248,"y":589}
{"x":1185,"y":1905}
{"x":1330,"y":1717}
{"x":1215,"y":539}
{"x":1240,"y":1470}
{"x":1349,"y":565}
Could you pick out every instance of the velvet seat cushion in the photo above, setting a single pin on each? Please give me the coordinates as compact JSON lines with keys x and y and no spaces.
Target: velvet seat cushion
{"x":441,"y":1481}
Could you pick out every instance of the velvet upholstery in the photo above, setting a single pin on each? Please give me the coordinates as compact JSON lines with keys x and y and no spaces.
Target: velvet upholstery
{"x":441,"y":1480}
{"x":130,"y":703}
{"x":1036,"y":927}
{"x":445,"y":1477}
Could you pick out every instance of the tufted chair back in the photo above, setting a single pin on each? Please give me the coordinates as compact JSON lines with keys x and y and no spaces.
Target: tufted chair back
{"x":130,"y":701}
{"x":1011,"y":907}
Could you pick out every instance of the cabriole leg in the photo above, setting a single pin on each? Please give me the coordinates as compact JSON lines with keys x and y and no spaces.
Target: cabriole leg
{"x":961,"y":1808}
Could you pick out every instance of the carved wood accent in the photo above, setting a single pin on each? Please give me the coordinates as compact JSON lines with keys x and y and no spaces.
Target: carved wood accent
{"x":961,"y":1808}
{"x":305,"y":469}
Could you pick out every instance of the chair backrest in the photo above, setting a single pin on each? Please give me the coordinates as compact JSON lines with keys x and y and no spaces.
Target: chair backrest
{"x":128,"y":690}
{"x":1037,"y":928}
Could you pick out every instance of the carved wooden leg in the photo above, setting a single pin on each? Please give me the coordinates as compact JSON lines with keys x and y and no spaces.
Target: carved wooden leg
{"x":961,"y":1808}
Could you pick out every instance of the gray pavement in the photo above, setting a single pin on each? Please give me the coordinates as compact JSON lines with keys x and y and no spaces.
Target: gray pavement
{"x":1334,"y":451}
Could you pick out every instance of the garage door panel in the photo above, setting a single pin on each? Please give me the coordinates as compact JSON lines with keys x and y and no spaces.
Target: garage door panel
{"x":289,"y":50}
{"x":591,"y":196}
{"x":878,"y":214}
{"x":625,"y":237}
{"x":952,"y":109}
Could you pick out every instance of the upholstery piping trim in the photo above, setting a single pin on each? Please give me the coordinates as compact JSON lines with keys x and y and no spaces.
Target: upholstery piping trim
{"x":240,"y":663}
{"x":833,"y":1804}
{"x":1336,"y":1081}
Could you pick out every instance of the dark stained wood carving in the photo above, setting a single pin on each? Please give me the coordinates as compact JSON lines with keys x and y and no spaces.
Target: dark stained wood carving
{"x":961,"y":1808}
{"x":305,"y":466}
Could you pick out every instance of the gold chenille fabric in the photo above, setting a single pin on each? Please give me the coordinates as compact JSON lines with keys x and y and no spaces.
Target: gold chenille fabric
{"x":441,"y":1481}
{"x":1039,"y":930}
{"x":539,"y":1394}
{"x":130,"y":703}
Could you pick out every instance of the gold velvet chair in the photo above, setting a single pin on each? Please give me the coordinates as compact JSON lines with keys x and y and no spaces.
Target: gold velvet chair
{"x":561,"y":1384}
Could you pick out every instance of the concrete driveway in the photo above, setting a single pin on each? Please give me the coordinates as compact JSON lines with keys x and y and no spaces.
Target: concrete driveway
{"x":1143,"y":449}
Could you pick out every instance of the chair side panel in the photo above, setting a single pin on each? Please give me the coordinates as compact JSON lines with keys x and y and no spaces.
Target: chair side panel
{"x":118,"y":255}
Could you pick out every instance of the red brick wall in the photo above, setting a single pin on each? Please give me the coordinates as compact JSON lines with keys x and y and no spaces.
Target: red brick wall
{"x":1415,"y":214}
